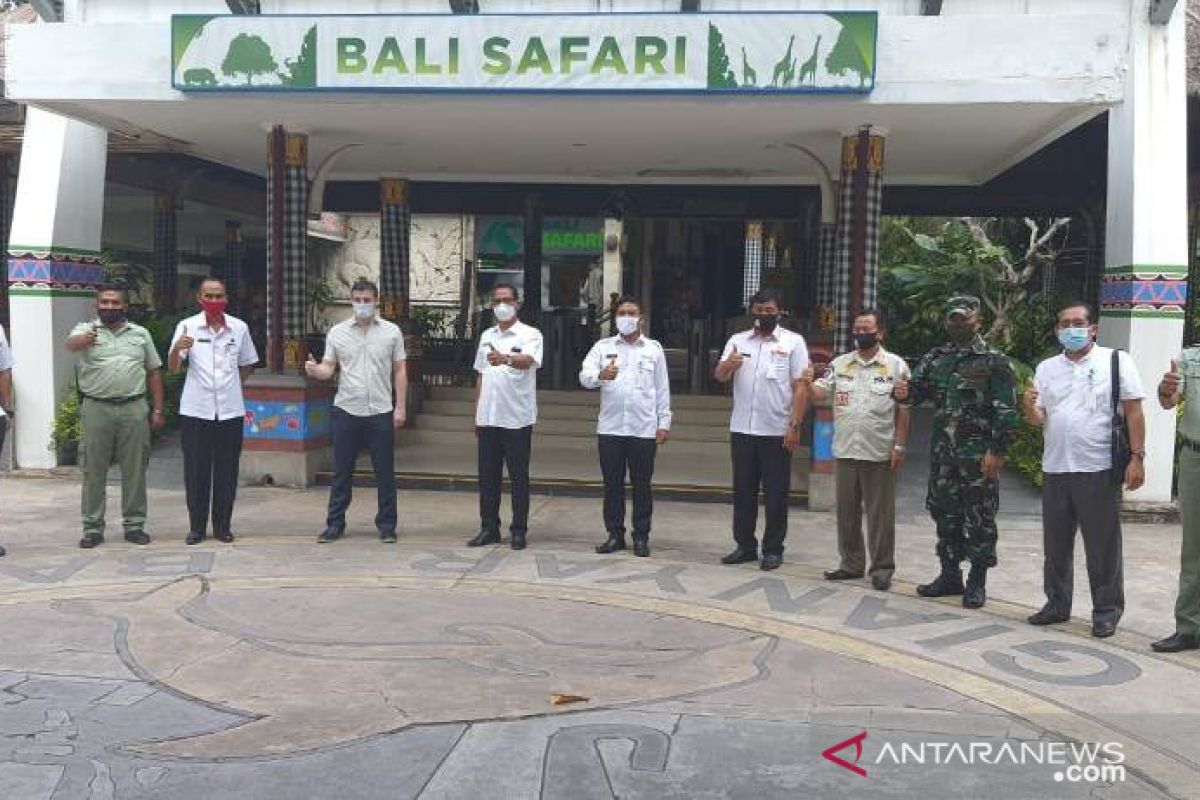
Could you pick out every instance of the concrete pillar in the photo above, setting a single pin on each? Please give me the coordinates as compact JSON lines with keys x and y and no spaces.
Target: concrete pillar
{"x":6,"y":174}
{"x":394,"y":262}
{"x":1144,"y":288}
{"x":166,"y":253}
{"x":235,"y":259}
{"x":287,"y":225}
{"x":53,"y":267}
{"x":858,"y":228}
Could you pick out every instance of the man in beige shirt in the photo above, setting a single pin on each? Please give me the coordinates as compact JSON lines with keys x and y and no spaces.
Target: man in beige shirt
{"x":870,"y":431}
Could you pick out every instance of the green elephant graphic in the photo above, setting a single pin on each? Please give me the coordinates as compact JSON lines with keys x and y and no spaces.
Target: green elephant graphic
{"x":199,"y":77}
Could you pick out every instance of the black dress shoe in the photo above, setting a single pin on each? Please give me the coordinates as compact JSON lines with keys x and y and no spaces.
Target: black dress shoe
{"x":1049,"y":615}
{"x":1177,"y":642}
{"x":223,"y":536}
{"x":611,"y":545}
{"x":740,"y":556}
{"x":641,"y":548}
{"x":137,"y":537}
{"x":1,"y":551}
{"x":771,"y":561}
{"x":517,"y":542}
{"x":840,"y":574}
{"x":483,"y":537}
{"x":194,"y":537}
{"x":388,"y":537}
{"x":91,"y":540}
{"x":331,"y":534}
{"x":1104,"y":628}
{"x":881,"y":582}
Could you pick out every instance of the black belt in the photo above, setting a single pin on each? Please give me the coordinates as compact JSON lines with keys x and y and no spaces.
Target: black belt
{"x":1189,"y":444}
{"x":114,"y":401}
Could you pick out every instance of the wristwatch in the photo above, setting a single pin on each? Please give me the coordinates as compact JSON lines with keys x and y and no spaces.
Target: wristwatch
{"x":899,"y":448}
{"x":157,"y":411}
{"x":1139,"y":453}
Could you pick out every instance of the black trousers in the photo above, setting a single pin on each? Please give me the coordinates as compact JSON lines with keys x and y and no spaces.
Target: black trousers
{"x":350,"y":435}
{"x":618,"y":454}
{"x":500,"y":448}
{"x":1091,"y":503}
{"x":760,"y":461}
{"x":212,"y":452}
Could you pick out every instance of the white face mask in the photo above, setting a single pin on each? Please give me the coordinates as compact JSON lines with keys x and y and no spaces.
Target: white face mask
{"x":627,"y":325}
{"x":504,"y":312}
{"x":364,"y":310}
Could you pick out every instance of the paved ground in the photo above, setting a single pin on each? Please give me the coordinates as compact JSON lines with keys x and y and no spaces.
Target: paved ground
{"x":277,"y":668}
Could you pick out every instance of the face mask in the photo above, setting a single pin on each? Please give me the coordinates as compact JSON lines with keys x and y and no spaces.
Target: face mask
{"x":627,"y":325}
{"x":865,"y":341}
{"x":111,"y":316}
{"x":213,"y":308}
{"x":364,"y":310}
{"x":1074,"y":339}
{"x":960,"y":332}
{"x":504,"y":312}
{"x":766,"y":322}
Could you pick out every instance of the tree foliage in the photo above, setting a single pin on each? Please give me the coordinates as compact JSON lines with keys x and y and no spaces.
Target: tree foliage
{"x":248,"y":55}
{"x":720,"y":75}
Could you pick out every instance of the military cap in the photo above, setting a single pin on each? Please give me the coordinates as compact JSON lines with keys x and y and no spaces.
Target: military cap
{"x":962,"y":304}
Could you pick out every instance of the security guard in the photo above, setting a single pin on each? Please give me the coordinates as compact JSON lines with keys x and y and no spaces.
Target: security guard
{"x":117,"y":361}
{"x":973,"y":389}
{"x":1182,"y":383}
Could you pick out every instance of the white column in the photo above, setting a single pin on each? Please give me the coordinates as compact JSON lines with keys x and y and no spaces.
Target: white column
{"x":53,"y":253}
{"x":1145,"y":274}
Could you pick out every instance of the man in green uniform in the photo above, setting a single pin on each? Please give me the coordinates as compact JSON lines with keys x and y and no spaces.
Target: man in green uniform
{"x":117,"y":362}
{"x":973,"y":389}
{"x":1182,"y":383}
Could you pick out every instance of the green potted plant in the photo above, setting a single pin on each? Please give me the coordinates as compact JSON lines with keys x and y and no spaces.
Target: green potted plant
{"x":320,"y":297}
{"x":64,"y":437}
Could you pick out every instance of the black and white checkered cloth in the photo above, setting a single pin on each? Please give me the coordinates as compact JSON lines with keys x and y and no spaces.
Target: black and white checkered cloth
{"x":826,"y":271}
{"x":844,"y":278}
{"x":166,"y":253}
{"x":752,"y":274}
{"x":295,"y":241}
{"x":393,"y":250}
{"x":235,"y":256}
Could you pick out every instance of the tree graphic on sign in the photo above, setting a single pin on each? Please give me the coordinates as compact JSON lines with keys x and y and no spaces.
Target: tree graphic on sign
{"x":302,"y":70}
{"x":248,"y":55}
{"x":720,"y":76}
{"x":854,"y":50}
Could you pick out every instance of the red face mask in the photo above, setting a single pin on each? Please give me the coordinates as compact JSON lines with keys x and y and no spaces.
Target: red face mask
{"x":214,"y":312}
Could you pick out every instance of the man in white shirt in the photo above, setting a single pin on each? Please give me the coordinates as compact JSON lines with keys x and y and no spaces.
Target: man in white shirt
{"x":368,"y":409}
{"x":6,"y":395}
{"x":635,"y":417}
{"x":509,"y":356}
{"x":870,"y":433}
{"x":218,"y":354}
{"x":1071,"y":395}
{"x":767,"y":365}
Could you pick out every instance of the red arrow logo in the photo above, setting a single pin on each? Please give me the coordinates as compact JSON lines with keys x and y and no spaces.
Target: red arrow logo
{"x":853,"y":740}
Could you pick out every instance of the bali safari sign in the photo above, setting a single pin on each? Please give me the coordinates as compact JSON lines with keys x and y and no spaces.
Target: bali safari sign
{"x":732,"y":52}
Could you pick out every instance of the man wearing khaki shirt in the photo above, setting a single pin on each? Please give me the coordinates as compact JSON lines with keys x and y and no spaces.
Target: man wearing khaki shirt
{"x":870,"y":431}
{"x":369,"y":354}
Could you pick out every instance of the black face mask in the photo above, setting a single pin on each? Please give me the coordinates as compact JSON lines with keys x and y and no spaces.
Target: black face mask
{"x":766,"y":322}
{"x":865,"y":341}
{"x":111,"y":316}
{"x":961,"y":333}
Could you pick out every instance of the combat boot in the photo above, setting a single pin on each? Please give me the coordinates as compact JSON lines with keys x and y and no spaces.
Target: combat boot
{"x":949,"y":582}
{"x":975,"y":595}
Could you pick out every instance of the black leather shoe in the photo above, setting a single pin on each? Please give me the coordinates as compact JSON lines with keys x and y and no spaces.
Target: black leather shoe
{"x":194,"y":537}
{"x":840,"y":574}
{"x":1049,"y":615}
{"x":1177,"y":642}
{"x":517,"y":541}
{"x":771,"y":561}
{"x":482,"y":538}
{"x":611,"y":545}
{"x":948,"y":582}
{"x":1,"y":551}
{"x":388,"y":537}
{"x":740,"y":556}
{"x":641,"y":548}
{"x":975,"y":592}
{"x":331,"y":534}
{"x":1104,"y":628}
{"x":881,"y":582}
{"x":137,"y":537}
{"x":91,"y":540}
{"x":224,"y":537}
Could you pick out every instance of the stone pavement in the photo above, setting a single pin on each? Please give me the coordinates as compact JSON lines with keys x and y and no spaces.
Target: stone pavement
{"x":277,"y":668}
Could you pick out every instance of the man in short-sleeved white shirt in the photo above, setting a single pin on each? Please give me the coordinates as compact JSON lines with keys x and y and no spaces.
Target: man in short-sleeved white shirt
{"x":1071,"y":396}
{"x":506,"y":363}
{"x":217,"y":353}
{"x":6,"y":395}
{"x":767,"y":365}
{"x":368,"y":355}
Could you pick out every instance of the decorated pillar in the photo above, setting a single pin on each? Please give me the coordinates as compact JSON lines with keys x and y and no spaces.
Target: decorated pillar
{"x":6,"y":173}
{"x":826,"y":313}
{"x":231,"y":269}
{"x":858,"y":226}
{"x":287,"y":202}
{"x":1144,"y":288}
{"x":53,"y":267}
{"x":166,"y":252}
{"x":752,"y":265}
{"x":394,"y":218}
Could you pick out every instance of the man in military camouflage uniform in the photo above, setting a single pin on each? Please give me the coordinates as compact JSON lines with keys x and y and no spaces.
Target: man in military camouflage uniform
{"x":973,"y":389}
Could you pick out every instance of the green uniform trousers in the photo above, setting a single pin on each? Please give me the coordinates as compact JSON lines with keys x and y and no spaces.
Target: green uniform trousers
{"x":1187,"y":605}
{"x":120,"y":433}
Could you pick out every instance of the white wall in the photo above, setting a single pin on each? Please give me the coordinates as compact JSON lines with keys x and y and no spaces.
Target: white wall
{"x":132,"y":10}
